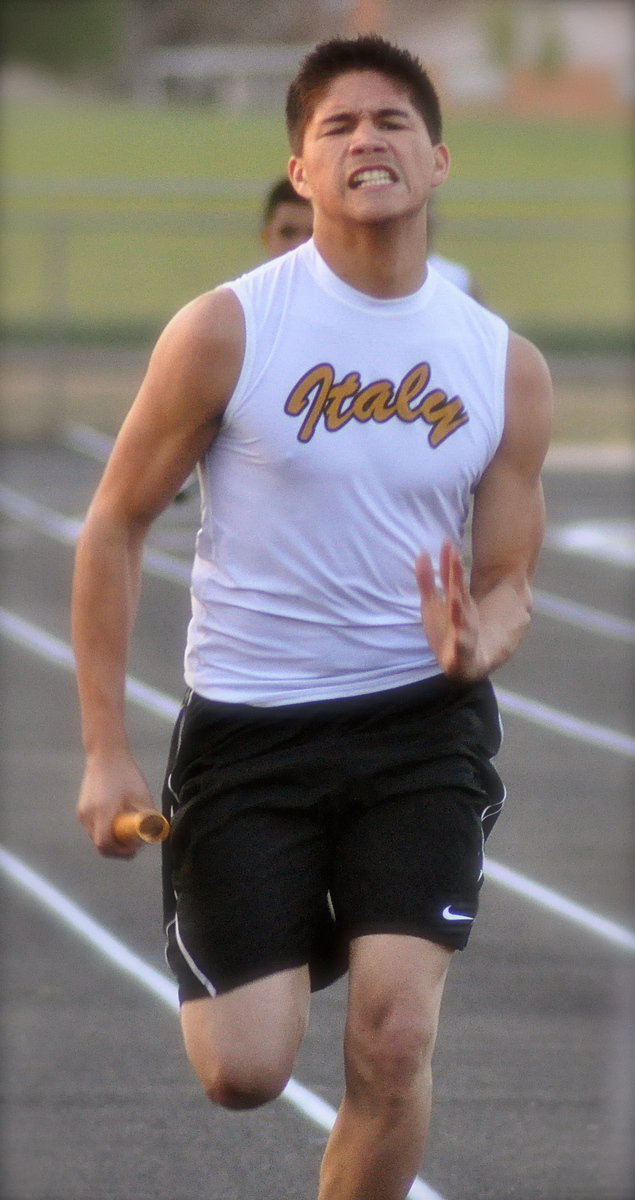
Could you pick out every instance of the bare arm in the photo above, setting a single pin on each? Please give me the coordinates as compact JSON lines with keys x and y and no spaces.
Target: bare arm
{"x":174,"y":419}
{"x":475,"y":628}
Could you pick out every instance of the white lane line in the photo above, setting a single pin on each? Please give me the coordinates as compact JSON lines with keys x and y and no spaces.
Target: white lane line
{"x":609,"y":541}
{"x":88,"y":441}
{"x":54,"y":650}
{"x":565,"y":724}
{"x":66,"y":529}
{"x":30,"y":512}
{"x":99,"y":938}
{"x":584,"y":617}
{"x":155,"y":982}
{"x":174,"y":570}
{"x":619,"y":935}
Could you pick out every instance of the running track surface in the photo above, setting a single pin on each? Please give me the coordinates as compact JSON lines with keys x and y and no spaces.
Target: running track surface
{"x":533,"y":1094}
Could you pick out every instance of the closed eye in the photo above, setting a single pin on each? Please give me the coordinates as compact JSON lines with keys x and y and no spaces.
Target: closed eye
{"x":335,"y":127}
{"x":385,"y":118}
{"x":393,"y":118}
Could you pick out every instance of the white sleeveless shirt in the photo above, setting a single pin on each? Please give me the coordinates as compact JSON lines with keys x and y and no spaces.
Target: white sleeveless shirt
{"x":355,"y":436}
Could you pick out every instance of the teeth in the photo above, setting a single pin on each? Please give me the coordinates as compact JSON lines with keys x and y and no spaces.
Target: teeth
{"x":371,"y":176}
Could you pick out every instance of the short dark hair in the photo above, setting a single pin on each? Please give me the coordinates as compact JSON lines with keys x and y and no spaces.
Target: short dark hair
{"x":368,"y":52}
{"x":282,"y":192}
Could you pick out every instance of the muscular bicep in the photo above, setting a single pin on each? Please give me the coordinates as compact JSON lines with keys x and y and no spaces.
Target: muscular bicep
{"x":509,"y":514}
{"x":176,"y":415}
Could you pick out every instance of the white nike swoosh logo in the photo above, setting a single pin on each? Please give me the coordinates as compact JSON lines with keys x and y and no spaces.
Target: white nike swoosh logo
{"x":452,"y":916}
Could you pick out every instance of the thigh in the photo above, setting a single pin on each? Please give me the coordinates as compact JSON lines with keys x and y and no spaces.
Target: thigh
{"x":248,"y":1037}
{"x":409,"y":854}
{"x":412,"y":865}
{"x":249,"y":897}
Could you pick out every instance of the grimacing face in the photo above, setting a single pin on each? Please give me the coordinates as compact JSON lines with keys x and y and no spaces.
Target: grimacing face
{"x":367,"y":152}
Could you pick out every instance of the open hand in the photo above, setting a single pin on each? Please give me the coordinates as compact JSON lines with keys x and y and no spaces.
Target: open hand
{"x":449,"y":614}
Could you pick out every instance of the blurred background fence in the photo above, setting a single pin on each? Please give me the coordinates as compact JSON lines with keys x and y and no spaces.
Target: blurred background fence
{"x":110,"y":259}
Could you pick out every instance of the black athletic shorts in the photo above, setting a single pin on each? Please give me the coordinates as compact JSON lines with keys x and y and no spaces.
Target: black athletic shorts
{"x":297,"y":828}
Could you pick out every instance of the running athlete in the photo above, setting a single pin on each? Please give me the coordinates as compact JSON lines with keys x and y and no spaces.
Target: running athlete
{"x":347,"y":408}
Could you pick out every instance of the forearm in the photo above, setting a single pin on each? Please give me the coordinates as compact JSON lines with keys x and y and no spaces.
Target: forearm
{"x":105,"y":599}
{"x":508,"y":519}
{"x":504,"y":613}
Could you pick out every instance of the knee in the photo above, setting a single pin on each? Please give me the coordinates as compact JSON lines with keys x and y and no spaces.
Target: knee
{"x":242,"y":1045}
{"x":389,"y":1056}
{"x":234,"y":1073}
{"x":239,"y":1090}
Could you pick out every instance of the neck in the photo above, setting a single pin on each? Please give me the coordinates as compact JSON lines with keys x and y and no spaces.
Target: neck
{"x":378,"y":259}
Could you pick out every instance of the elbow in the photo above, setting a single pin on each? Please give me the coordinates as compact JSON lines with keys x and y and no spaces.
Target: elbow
{"x":108,"y":526}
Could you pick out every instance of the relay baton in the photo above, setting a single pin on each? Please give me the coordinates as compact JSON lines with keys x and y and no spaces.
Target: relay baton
{"x":149,"y":826}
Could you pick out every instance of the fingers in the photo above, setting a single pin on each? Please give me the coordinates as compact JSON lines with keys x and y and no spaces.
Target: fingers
{"x":451,"y":573}
{"x":445,"y":564}
{"x":111,"y":846}
{"x":100,"y":830}
{"x":424,"y":572}
{"x":111,"y":787}
{"x":447,"y":610}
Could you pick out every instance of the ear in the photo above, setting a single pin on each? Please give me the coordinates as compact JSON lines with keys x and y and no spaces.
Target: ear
{"x":441,"y":165}
{"x":297,"y":177}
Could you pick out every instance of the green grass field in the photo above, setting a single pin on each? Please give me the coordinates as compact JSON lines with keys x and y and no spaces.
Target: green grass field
{"x":116,"y":215}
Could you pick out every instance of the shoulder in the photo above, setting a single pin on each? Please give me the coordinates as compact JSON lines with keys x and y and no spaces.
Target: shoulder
{"x":196,"y":362}
{"x":203,"y":345}
{"x":212,"y":319}
{"x":527,"y":377}
{"x":528,"y":399}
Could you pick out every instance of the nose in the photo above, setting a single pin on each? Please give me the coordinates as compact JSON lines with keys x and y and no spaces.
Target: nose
{"x":367,"y":137}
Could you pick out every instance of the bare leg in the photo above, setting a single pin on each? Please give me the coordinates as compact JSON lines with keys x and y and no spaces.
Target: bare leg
{"x":243,"y":1044}
{"x":396,"y":986}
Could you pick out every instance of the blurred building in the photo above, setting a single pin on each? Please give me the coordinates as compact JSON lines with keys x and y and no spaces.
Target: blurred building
{"x":569,"y":57}
{"x":530,"y":56}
